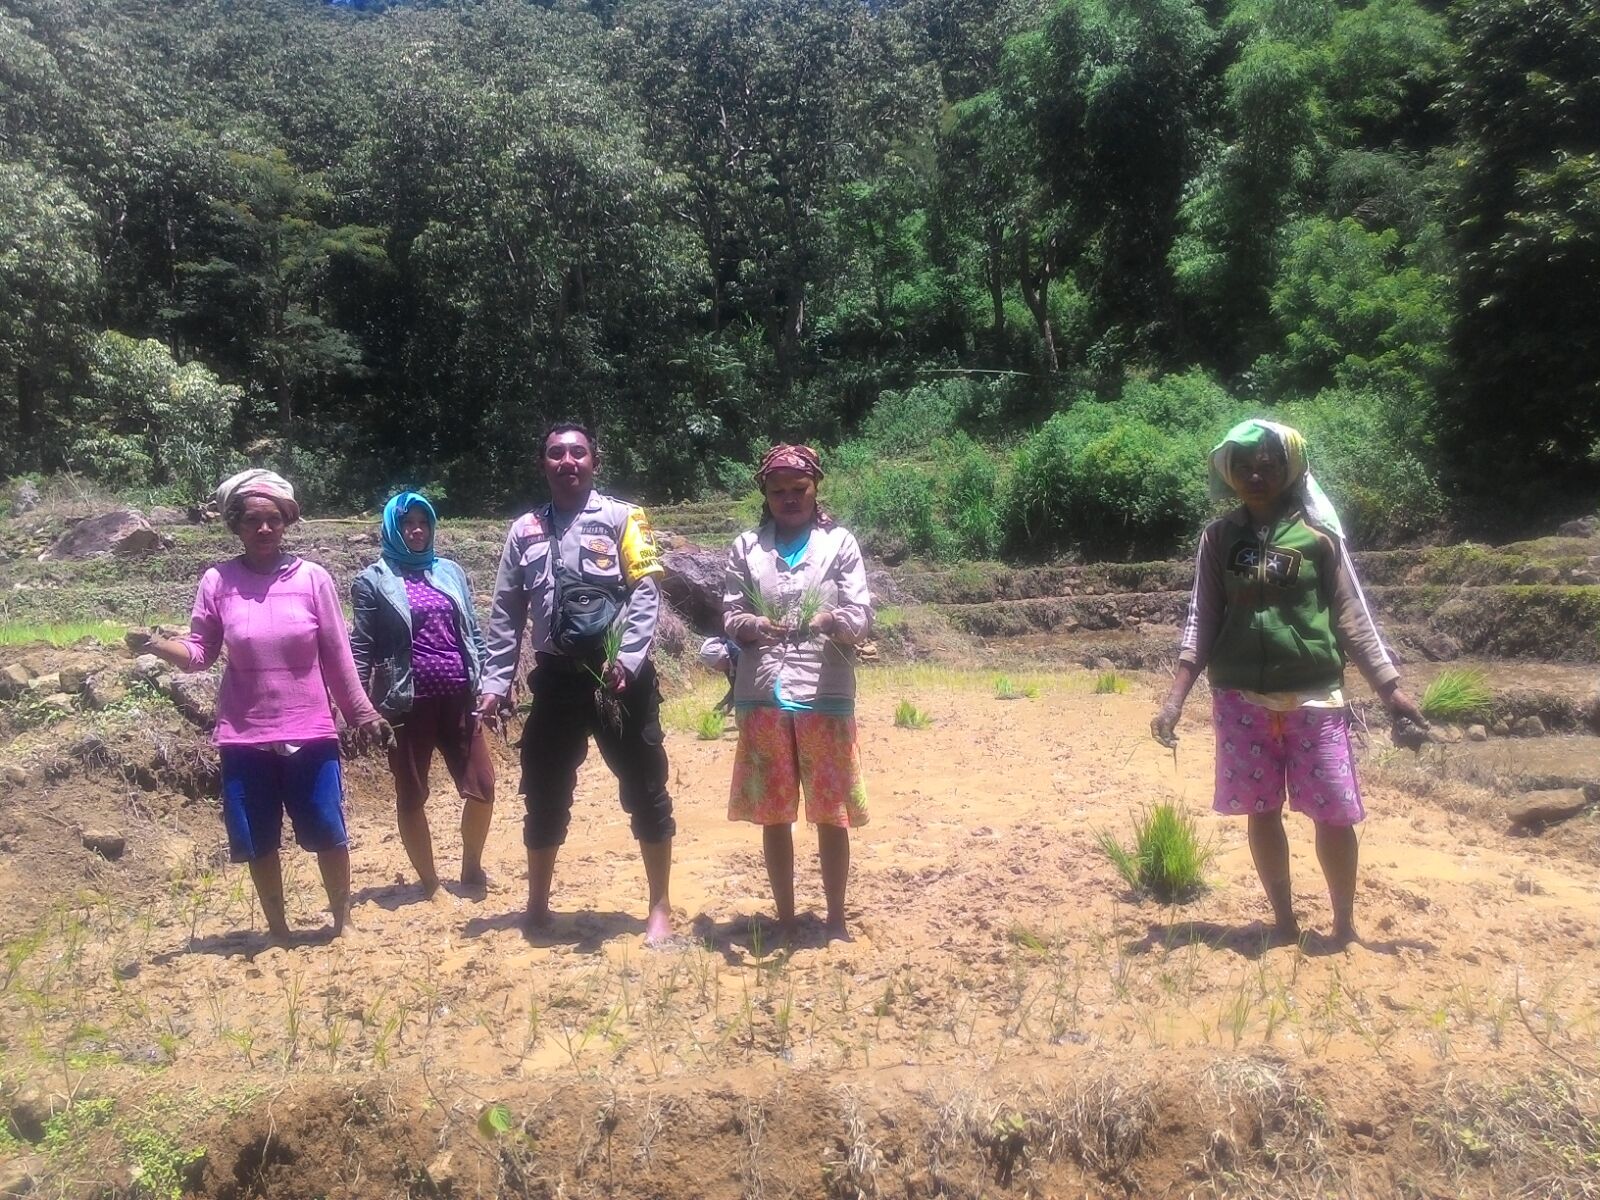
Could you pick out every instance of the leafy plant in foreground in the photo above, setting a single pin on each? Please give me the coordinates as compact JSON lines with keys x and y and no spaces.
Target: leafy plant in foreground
{"x":1167,"y":858}
{"x":1457,"y":694}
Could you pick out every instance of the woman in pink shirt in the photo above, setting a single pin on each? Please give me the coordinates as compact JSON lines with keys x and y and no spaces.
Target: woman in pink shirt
{"x":278,"y":617}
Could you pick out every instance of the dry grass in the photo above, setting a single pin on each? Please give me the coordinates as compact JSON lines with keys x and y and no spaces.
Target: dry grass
{"x":1540,"y":1134}
{"x":1275,"y":1141}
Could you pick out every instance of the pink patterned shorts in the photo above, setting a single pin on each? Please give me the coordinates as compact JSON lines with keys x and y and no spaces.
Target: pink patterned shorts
{"x":1262,"y":753}
{"x":781,"y":752}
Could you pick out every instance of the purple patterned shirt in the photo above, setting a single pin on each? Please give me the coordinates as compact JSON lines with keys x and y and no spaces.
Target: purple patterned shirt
{"x":438,"y":667}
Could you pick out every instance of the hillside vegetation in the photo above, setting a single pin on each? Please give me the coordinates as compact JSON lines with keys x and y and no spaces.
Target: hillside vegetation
{"x":1018,"y":262}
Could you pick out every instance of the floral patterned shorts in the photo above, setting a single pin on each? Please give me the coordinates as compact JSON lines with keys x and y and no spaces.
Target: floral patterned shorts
{"x":781,"y":752}
{"x":1262,"y":753}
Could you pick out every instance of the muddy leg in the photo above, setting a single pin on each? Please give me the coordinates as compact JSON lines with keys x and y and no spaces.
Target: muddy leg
{"x":833,"y":847}
{"x":335,"y":868}
{"x":541,"y":871}
{"x":1339,"y":852}
{"x":658,"y":874}
{"x":777,"y":847}
{"x":266,"y":873}
{"x":418,"y":841}
{"x":1269,"y":848}
{"x":476,"y":816}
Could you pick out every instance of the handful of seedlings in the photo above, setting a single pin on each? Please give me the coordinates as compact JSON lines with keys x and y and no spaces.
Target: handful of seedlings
{"x":606,"y":701}
{"x":794,"y":621}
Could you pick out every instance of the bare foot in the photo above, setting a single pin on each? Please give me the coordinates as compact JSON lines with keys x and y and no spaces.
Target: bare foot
{"x":658,"y":927}
{"x":280,"y":939}
{"x":1284,"y":933}
{"x":539,"y":918}
{"x":836,"y":932}
{"x":1344,"y":935}
{"x":342,"y":924}
{"x":475,"y":881}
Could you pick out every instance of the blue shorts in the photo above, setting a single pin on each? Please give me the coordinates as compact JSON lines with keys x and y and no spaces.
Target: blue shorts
{"x":259,"y":785}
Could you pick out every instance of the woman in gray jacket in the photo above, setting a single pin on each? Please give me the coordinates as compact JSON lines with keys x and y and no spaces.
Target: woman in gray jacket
{"x":420,"y":655}
{"x":796,"y":601}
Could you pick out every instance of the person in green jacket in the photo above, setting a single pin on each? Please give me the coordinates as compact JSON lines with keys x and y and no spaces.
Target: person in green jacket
{"x":1275,"y":614}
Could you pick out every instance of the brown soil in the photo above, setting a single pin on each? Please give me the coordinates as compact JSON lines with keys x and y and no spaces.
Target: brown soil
{"x":1008,"y":1020}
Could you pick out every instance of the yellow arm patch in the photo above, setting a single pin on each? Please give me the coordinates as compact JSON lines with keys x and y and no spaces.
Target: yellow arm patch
{"x":640,"y":557}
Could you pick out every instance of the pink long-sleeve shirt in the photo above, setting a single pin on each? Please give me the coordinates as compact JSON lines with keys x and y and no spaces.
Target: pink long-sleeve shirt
{"x":288,"y":648}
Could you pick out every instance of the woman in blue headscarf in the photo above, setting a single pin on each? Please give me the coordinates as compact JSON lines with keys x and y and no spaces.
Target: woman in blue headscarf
{"x":420,"y":654}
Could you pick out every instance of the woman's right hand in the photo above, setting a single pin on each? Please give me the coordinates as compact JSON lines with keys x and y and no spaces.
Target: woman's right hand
{"x":140,"y":641}
{"x":490,"y":708}
{"x":1164,"y":725}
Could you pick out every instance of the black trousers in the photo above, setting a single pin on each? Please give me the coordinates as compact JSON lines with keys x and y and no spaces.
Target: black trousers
{"x":555,"y":741}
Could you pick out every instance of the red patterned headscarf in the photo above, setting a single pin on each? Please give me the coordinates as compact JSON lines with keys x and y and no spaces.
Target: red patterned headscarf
{"x":784,"y":457}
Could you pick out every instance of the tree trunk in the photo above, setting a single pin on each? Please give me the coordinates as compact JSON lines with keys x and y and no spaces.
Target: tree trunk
{"x":997,"y":285}
{"x":1036,"y":292}
{"x":28,"y":406}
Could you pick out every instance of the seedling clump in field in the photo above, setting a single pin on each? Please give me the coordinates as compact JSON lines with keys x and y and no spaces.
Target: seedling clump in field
{"x":1167,"y":858}
{"x":1006,"y":689}
{"x":1457,"y":694}
{"x":709,"y":727}
{"x":1109,"y":683}
{"x":908,"y":716}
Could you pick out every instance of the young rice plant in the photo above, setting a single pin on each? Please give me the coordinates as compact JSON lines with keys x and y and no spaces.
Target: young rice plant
{"x":710,"y":725}
{"x":1109,"y":683}
{"x":1167,"y":859}
{"x":908,"y":716}
{"x":1457,"y":694}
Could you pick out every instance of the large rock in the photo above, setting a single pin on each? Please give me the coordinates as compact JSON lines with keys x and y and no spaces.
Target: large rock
{"x":693,"y":585}
{"x":25,"y":499}
{"x":1439,"y":647}
{"x":103,"y":689}
{"x":14,"y":679}
{"x":163,"y":514}
{"x":1583,"y":527}
{"x":121,"y":531}
{"x":195,"y":696}
{"x":1527,"y":727}
{"x":73,"y":677}
{"x":1545,"y":808}
{"x":21,"y":1176}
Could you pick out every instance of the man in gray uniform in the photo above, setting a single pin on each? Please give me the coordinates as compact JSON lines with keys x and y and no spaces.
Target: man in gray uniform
{"x":601,"y":546}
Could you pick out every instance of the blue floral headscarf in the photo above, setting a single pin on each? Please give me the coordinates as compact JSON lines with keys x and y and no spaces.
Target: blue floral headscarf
{"x":395,"y":551}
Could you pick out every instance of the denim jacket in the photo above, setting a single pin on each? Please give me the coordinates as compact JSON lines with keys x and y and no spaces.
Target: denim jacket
{"x":381,"y":641}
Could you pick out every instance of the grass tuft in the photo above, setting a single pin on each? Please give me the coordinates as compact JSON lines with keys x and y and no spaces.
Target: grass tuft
{"x":1109,"y":683}
{"x":59,"y":634}
{"x":1005,"y":688}
{"x":1167,"y":858}
{"x":1457,"y":694}
{"x":710,"y":726}
{"x":908,"y":716}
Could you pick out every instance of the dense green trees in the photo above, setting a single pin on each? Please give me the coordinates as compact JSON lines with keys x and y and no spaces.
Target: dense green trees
{"x":386,"y":242}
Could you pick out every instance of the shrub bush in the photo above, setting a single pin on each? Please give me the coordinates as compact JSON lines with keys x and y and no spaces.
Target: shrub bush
{"x":1372,"y":462}
{"x":945,"y":509}
{"x":147,"y":421}
{"x":1111,"y":483}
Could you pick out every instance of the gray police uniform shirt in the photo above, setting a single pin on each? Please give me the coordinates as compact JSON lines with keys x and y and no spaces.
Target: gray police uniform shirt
{"x":609,"y":542}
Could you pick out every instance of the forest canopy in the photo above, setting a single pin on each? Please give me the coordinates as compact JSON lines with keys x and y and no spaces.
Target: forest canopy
{"x":1016,"y":263}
